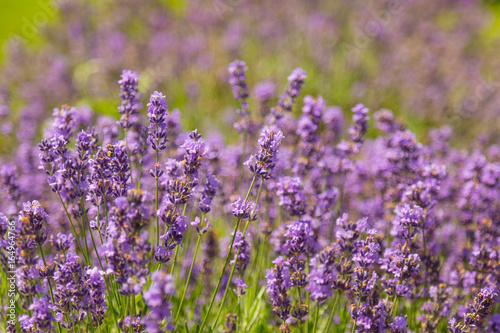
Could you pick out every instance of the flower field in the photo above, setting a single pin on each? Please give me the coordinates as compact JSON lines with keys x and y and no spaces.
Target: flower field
{"x":237,"y":166}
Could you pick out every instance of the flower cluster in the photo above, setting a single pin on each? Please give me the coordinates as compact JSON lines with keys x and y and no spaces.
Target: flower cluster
{"x":337,"y":228}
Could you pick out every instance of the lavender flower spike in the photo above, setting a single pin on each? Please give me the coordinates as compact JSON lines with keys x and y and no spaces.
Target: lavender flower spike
{"x":262,"y":164}
{"x":237,"y":80}
{"x":287,"y":99}
{"x":130,"y":98}
{"x":157,"y":114}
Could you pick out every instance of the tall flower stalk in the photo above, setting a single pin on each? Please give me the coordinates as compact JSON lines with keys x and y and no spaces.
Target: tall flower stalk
{"x":237,"y":80}
{"x":130,"y":106}
{"x":157,"y":138}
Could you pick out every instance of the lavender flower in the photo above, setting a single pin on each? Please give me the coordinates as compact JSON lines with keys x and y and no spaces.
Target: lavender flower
{"x":130,"y":98}
{"x":287,"y":99}
{"x":278,"y":284}
{"x":196,"y":223}
{"x":42,"y":317}
{"x":119,"y":164}
{"x":262,"y":164}
{"x":96,"y":286}
{"x":292,"y":196}
{"x":9,"y":182}
{"x":322,"y":275}
{"x":238,"y":83}
{"x":157,"y":113}
{"x":195,"y":150}
{"x":241,"y":261}
{"x":157,"y":298}
{"x":207,"y":194}
{"x":241,"y":209}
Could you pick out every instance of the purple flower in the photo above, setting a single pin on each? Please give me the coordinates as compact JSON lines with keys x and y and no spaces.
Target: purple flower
{"x":300,"y":238}
{"x":96,"y":286}
{"x":242,"y":260}
{"x":360,"y":118}
{"x":127,"y":247}
{"x":157,"y":113}
{"x":241,"y":287}
{"x":207,"y":194}
{"x":366,"y":252}
{"x":9,"y":182}
{"x":195,"y":149}
{"x":278,"y":284}
{"x":42,"y":315}
{"x":71,"y":294}
{"x":65,"y":122}
{"x":287,"y":99}
{"x":292,"y":196}
{"x":130,"y":98}
{"x":157,"y":299}
{"x":262,"y":164}
{"x":162,"y":254}
{"x":101,"y":172}
{"x":62,"y":242}
{"x":134,"y":323}
{"x":196,"y":223}
{"x":119,"y":165}
{"x":399,"y":325}
{"x":322,"y":275}
{"x":409,"y":215}
{"x":237,"y":81}
{"x":264,"y":91}
{"x":241,"y":209}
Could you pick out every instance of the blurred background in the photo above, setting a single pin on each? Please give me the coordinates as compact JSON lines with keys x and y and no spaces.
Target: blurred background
{"x":430,"y":62}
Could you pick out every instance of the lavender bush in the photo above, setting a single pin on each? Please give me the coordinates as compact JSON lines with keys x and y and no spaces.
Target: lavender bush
{"x":434,"y":62}
{"x":306,"y":224}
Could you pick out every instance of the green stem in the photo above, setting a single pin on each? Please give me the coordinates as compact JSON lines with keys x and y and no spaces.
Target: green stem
{"x":50,"y":285}
{"x":220,"y":279}
{"x":332,"y":314}
{"x":91,"y":235}
{"x":259,"y":264}
{"x":339,"y":204}
{"x":205,"y":319}
{"x":307,"y":294}
{"x":133,"y":303}
{"x":84,"y":233}
{"x":189,"y":277}
{"x":316,"y":318}
{"x":237,"y":254}
{"x":244,"y":152}
{"x":96,"y":252}
{"x":73,"y":228}
{"x":394,"y":299}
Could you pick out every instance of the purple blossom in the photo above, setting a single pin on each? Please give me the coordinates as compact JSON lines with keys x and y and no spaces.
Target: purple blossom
{"x":195,"y":149}
{"x":322,"y":275}
{"x":130,"y":98}
{"x":264,"y":91}
{"x":262,"y":164}
{"x":292,"y":196}
{"x":287,"y":99}
{"x":241,"y":209}
{"x":157,"y":299}
{"x":96,"y":286}
{"x":278,"y":285}
{"x":210,"y":188}
{"x":157,"y":113}
{"x":237,"y":80}
{"x":197,"y":222}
